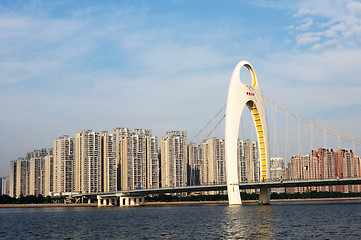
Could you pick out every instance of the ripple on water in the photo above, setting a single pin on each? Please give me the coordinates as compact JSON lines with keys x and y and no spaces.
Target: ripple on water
{"x":288,"y":221}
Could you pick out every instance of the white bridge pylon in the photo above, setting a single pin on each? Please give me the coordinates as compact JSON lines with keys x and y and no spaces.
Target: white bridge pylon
{"x":239,"y":96}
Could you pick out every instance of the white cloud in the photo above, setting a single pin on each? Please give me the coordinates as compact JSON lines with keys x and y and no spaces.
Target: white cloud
{"x":317,"y":46}
{"x":307,"y":38}
{"x":301,"y":12}
{"x":308,"y":23}
{"x":332,"y":21}
{"x":354,"y":7}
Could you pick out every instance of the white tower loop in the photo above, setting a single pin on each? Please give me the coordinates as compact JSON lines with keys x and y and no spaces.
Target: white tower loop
{"x":239,"y":96}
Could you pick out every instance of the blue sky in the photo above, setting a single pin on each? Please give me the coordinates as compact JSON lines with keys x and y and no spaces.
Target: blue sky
{"x":166,"y":65}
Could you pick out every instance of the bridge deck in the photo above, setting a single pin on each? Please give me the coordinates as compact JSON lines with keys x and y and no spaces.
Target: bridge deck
{"x":222,"y":187}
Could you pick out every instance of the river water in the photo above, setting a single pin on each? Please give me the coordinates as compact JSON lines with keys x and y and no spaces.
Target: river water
{"x":321,"y":220}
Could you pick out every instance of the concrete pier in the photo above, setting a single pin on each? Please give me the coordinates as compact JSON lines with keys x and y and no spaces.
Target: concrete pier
{"x":122,"y":201}
{"x":264,"y":196}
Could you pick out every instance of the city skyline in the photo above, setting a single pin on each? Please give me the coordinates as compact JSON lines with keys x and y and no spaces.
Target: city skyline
{"x":166,"y":65}
{"x":127,"y":159}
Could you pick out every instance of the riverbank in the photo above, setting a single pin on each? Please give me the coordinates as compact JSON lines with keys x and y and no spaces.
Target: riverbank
{"x":354,"y":199}
{"x":255,"y":201}
{"x":48,"y":205}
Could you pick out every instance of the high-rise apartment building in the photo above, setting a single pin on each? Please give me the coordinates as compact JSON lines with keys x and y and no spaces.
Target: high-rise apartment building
{"x":121,"y":155}
{"x":109,"y":162}
{"x":324,"y":164}
{"x":138,"y":158}
{"x":248,"y":161}
{"x":88,"y":162}
{"x":48,"y":173}
{"x":34,"y":176}
{"x":343,"y":166}
{"x":136,"y":163}
{"x":277,"y":172}
{"x":13,"y":168}
{"x":21,"y":177}
{"x":5,"y":186}
{"x":303,"y":168}
{"x":356,"y":172}
{"x":174,"y":159}
{"x":194,"y":164}
{"x":213,"y":164}
{"x":64,"y":164}
{"x":152,"y":161}
{"x":36,"y":172}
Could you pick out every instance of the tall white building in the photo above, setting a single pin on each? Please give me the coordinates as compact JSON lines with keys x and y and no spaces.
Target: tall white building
{"x":137,"y":158}
{"x":49,"y":173}
{"x":35,"y":176}
{"x":194,"y":164}
{"x":5,"y":185}
{"x":152,"y":161}
{"x":63,"y":164}
{"x":248,"y":161}
{"x":21,"y":177}
{"x":277,"y":172}
{"x":109,"y":162}
{"x":36,"y":172}
{"x":13,"y":168}
{"x":88,"y":162}
{"x":174,"y":159}
{"x":213,"y":164}
{"x":121,"y":136}
{"x":277,"y":168}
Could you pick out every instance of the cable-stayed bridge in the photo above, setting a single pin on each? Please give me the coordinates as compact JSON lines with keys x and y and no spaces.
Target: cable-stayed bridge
{"x":240,"y":96}
{"x":136,"y":196}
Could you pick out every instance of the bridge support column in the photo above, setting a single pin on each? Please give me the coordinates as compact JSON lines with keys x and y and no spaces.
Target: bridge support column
{"x":131,"y":201}
{"x":99,"y":201}
{"x":141,"y":200}
{"x":124,"y":201}
{"x":264,"y":196}
{"x":234,"y":197}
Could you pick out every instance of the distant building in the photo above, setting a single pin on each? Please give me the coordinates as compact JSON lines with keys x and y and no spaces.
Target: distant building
{"x":36,"y":172}
{"x":34,"y":176}
{"x":121,"y":136}
{"x":109,"y":162}
{"x":277,"y":172}
{"x":63,"y":164}
{"x":49,"y":173}
{"x":137,"y":154}
{"x":152,"y":161}
{"x":214,"y":165}
{"x":13,"y":168}
{"x":174,"y":159}
{"x":248,"y":161}
{"x":324,"y":164}
{"x":21,"y":177}
{"x":88,"y":162}
{"x":194,"y":165}
{"x":5,"y":186}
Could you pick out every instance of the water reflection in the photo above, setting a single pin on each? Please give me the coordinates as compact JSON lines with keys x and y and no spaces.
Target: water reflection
{"x":252,"y":222}
{"x":286,"y":221}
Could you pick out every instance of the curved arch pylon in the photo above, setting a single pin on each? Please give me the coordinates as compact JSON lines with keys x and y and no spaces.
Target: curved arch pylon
{"x":239,"y":96}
